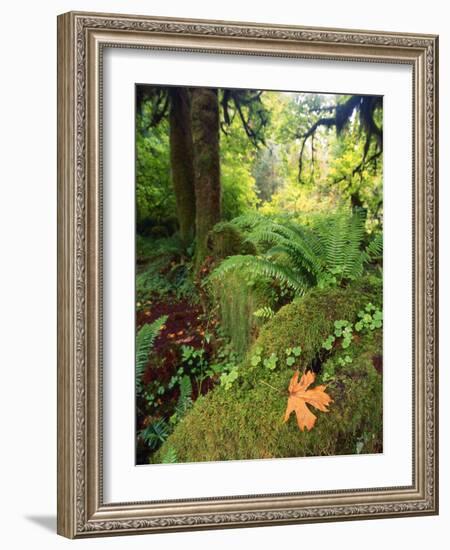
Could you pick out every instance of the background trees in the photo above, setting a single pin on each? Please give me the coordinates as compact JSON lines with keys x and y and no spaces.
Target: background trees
{"x":204,"y":155}
{"x":193,"y":119}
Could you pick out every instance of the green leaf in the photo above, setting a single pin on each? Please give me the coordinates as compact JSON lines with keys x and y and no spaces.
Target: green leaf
{"x":145,"y":339}
{"x":271,"y":362}
{"x":255,"y":360}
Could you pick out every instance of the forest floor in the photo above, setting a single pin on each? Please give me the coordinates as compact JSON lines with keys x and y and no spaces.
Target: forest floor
{"x":186,"y":325}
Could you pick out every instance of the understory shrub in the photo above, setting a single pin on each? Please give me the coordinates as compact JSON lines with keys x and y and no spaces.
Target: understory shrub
{"x":328,"y":252}
{"x":164,"y":270}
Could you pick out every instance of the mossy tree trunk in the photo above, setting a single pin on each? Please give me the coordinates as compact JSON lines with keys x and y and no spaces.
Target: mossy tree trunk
{"x":205,"y":133}
{"x":182,"y":161}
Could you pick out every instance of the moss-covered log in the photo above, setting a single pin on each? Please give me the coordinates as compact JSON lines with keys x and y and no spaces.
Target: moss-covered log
{"x":205,"y":133}
{"x":246,"y":421}
{"x":182,"y":161}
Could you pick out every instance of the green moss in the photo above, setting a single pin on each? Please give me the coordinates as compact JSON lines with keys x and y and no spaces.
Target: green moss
{"x":226,"y":240}
{"x":237,"y":304}
{"x":309,"y":320}
{"x":246,"y":422}
{"x":237,"y":299}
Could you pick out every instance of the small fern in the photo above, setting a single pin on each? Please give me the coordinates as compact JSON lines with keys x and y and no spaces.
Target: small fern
{"x":340,"y":238}
{"x":170,"y":456}
{"x":184,"y":400}
{"x":145,"y":339}
{"x":155,"y":434}
{"x":374,"y":249}
{"x":260,"y":265}
{"x":329,"y":251}
{"x":249,"y":221}
{"x":265,"y":313}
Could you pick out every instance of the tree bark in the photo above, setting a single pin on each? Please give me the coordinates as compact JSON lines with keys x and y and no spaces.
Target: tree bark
{"x":182,"y":161}
{"x":205,"y":134}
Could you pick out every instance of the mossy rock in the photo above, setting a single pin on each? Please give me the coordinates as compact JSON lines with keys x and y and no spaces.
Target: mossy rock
{"x":246,"y":421}
{"x":309,"y":320}
{"x":226,"y":240}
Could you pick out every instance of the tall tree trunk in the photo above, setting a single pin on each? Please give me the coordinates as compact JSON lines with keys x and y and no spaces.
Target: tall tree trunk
{"x":205,"y":134}
{"x":182,"y":161}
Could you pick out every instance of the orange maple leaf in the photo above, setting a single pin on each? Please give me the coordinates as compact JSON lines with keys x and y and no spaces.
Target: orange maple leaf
{"x":299,"y":395}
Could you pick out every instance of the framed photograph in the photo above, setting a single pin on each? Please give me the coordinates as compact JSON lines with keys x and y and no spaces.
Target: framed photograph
{"x":247,"y":276}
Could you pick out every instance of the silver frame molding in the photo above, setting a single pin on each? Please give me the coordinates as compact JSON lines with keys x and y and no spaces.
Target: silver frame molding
{"x":81,"y":39}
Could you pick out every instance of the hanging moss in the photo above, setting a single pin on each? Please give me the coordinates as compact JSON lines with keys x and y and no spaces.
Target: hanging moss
{"x":246,"y":421}
{"x":237,"y":302}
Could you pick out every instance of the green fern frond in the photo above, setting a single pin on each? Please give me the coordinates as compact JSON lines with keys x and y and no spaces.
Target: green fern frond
{"x":155,"y":434}
{"x":374,"y":249}
{"x":265,"y":313}
{"x":304,"y":256}
{"x":248,"y":221}
{"x":145,"y":339}
{"x":185,"y":399}
{"x":297,"y":242}
{"x":170,"y":456}
{"x":258,"y":265}
{"x":341,"y":235}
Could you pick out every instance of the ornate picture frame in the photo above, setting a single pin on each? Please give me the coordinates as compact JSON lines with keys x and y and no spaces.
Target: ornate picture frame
{"x":82,"y":38}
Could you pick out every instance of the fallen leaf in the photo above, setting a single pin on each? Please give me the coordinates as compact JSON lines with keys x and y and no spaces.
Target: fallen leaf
{"x":300,"y":395}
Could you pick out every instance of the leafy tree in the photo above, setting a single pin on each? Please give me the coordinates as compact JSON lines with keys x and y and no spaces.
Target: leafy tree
{"x":362,"y":187}
{"x":237,"y":158}
{"x":168,"y":108}
{"x":154,"y":196}
{"x":194,"y":123}
{"x":340,"y":116}
{"x":244,"y":105}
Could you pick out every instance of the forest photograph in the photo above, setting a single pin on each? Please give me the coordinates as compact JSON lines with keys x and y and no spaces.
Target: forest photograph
{"x":259,"y":274}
